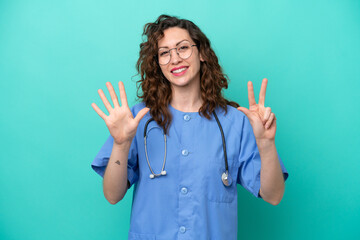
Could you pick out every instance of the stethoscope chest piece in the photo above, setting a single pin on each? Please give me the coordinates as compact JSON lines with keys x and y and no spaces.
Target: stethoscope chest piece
{"x":226,"y":179}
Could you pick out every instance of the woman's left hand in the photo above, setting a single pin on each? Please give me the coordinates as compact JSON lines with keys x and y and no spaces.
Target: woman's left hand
{"x":262,"y":120}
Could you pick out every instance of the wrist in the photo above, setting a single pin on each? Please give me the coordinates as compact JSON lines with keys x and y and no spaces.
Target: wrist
{"x":122,"y":145}
{"x":265,"y":143}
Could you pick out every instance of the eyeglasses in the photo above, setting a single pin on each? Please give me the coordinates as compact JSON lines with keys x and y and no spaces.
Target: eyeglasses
{"x":184,"y":51}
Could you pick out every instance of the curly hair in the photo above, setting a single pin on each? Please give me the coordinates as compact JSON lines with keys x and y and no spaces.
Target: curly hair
{"x":156,"y":89}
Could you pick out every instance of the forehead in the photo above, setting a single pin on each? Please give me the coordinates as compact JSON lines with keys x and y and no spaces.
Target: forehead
{"x":172,"y":36}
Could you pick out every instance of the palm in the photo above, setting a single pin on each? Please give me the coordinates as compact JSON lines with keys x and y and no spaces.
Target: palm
{"x":261,"y":119}
{"x":121,"y":123}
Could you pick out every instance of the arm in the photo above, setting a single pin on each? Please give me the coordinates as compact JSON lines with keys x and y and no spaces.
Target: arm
{"x":263,"y":122}
{"x":272,"y":184}
{"x":115,"y":177}
{"x":122,"y":126}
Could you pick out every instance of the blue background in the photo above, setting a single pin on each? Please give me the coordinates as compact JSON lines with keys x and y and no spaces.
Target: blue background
{"x":55,"y":55}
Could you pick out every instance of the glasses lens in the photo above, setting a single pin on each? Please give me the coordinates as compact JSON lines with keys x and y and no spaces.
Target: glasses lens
{"x":164,"y":56}
{"x":184,"y":50}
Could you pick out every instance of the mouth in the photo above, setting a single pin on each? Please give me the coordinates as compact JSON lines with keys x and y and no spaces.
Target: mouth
{"x":179,"y":71}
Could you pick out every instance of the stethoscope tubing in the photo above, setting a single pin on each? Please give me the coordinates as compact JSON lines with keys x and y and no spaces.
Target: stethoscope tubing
{"x":223,"y":142}
{"x":163,"y":172}
{"x":225,"y":177}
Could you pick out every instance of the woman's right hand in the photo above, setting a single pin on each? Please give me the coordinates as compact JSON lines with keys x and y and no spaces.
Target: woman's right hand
{"x":120,"y":122}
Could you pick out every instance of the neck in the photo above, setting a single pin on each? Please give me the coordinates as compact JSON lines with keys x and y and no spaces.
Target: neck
{"x":186,"y":98}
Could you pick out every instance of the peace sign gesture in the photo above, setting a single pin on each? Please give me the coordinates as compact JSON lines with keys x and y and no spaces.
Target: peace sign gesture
{"x":120,"y":122}
{"x":262,"y":120}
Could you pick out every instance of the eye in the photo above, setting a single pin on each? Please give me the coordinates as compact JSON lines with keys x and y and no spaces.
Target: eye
{"x":164,"y":53}
{"x":184,"y":47}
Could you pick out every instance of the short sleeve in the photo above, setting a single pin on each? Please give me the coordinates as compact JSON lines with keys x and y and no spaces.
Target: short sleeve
{"x":102,"y":158}
{"x":250,"y":163}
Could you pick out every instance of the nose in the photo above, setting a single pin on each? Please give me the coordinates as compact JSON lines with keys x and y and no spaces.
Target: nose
{"x":174,"y":57}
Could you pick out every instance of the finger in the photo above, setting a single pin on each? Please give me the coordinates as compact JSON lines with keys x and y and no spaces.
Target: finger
{"x":267,"y":114}
{"x":270,"y":121}
{"x":104,"y":100}
{"x":112,"y":94}
{"x":263,"y":92}
{"x":244,"y":110}
{"x":98,"y":110}
{"x":141,"y":114}
{"x":251,"y":95}
{"x":123,"y":97}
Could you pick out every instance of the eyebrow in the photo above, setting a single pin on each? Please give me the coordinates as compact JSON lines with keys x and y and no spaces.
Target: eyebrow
{"x":176,"y":44}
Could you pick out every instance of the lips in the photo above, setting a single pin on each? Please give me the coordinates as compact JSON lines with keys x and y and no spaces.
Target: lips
{"x":172,"y":70}
{"x":182,"y":70}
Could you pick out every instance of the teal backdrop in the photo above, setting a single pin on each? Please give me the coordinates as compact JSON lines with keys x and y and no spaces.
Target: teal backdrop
{"x":55,"y":55}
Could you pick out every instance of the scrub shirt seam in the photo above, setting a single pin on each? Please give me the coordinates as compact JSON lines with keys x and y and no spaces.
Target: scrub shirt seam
{"x":256,"y":186}
{"x":241,"y":138}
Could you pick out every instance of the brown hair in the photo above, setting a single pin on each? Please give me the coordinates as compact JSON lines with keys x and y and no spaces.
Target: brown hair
{"x":156,"y":89}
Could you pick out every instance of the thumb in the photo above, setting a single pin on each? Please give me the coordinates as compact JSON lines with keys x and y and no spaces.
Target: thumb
{"x":141,"y":114}
{"x":244,"y":110}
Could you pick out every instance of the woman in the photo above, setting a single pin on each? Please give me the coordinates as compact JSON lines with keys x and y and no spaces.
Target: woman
{"x":186,"y":162}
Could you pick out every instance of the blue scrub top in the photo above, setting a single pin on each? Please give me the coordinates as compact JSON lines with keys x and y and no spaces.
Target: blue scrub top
{"x":190,"y":202}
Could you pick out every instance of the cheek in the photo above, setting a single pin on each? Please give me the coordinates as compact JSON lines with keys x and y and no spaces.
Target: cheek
{"x":196,"y":67}
{"x":196,"y":63}
{"x":164,"y":71}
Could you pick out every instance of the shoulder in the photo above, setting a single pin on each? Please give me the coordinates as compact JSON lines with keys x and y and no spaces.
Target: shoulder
{"x":233,"y":117}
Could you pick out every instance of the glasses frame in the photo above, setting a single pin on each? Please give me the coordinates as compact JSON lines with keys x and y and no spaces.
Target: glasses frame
{"x":157,"y":55}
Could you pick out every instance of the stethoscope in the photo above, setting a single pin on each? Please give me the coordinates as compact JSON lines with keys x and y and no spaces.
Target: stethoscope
{"x":225,"y":177}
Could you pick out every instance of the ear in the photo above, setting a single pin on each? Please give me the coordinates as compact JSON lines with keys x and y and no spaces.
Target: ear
{"x":201,"y":58}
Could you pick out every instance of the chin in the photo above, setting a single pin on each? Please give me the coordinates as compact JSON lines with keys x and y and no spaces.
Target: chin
{"x":180,"y":82}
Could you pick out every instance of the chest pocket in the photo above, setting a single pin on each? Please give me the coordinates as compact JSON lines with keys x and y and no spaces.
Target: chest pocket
{"x":215,"y":189}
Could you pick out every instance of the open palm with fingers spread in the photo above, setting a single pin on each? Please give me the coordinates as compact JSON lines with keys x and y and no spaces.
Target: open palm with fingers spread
{"x":262,"y":120}
{"x":121,"y":123}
